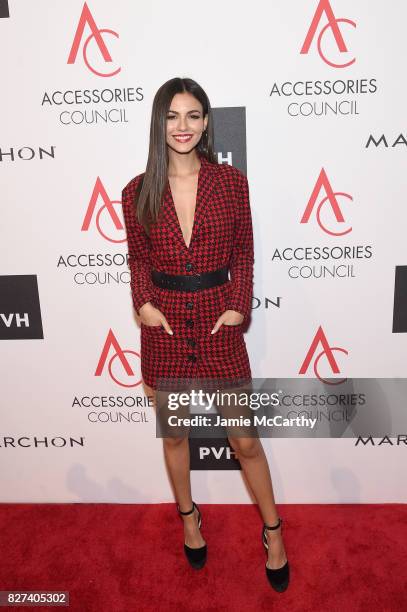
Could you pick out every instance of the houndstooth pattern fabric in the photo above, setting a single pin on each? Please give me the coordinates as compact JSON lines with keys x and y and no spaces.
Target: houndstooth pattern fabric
{"x":222,"y":235}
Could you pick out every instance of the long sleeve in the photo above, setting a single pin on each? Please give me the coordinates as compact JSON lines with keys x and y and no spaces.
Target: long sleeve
{"x":242,"y":258}
{"x":138,"y":243}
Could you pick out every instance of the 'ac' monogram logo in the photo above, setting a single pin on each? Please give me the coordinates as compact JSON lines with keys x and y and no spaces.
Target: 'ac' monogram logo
{"x":325,"y":7}
{"x":331,"y":197}
{"x":125,"y":368}
{"x":114,"y":223}
{"x":320,"y":338}
{"x":86,"y":18}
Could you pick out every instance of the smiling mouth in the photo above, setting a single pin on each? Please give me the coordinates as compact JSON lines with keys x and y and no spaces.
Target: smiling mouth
{"x":183,"y":137}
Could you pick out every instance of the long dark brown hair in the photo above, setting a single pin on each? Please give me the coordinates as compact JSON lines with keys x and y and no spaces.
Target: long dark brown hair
{"x":151,"y":189}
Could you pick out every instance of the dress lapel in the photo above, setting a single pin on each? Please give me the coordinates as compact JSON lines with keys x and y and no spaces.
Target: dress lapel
{"x":206,"y":186}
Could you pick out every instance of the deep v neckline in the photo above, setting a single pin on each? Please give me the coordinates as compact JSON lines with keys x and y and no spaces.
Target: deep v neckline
{"x":197,"y":201}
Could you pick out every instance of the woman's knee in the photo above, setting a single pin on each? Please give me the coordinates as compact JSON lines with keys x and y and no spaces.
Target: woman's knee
{"x":245,"y":447}
{"x":174,"y":442}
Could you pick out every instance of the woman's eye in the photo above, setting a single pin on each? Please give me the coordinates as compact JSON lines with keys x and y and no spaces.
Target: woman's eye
{"x":192,"y":116}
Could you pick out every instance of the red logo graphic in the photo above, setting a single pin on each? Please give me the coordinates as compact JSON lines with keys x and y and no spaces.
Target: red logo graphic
{"x":325,"y":7}
{"x":117,"y":372}
{"x":331,"y":197}
{"x":328,"y":352}
{"x":86,"y":18}
{"x":110,"y":219}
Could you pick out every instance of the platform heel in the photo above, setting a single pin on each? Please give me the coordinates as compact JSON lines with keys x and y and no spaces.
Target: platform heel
{"x":278,"y":578}
{"x":196,"y":556}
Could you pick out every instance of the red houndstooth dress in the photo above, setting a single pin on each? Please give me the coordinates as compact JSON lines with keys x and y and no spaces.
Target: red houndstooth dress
{"x":222,"y":235}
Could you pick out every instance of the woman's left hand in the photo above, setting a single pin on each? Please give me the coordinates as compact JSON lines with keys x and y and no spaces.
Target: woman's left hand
{"x":229,"y":317}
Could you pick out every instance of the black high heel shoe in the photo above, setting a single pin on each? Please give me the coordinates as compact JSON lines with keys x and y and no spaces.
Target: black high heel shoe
{"x":280,"y":577}
{"x":195,"y":556}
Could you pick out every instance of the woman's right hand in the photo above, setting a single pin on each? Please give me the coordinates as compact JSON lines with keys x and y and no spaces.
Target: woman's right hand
{"x":153,"y":317}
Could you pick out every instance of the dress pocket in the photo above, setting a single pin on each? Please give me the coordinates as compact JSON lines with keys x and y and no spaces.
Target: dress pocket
{"x":151,"y":327}
{"x":237,"y":327}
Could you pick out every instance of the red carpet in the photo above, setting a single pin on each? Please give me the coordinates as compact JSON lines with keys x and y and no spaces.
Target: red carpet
{"x":118,"y":558}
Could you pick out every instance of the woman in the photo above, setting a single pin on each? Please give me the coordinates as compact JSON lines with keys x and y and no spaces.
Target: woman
{"x":188,"y":222}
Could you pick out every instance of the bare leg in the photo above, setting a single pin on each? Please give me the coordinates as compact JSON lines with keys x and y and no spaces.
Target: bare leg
{"x":253,"y":460}
{"x":177,"y":458}
{"x":250,"y":453}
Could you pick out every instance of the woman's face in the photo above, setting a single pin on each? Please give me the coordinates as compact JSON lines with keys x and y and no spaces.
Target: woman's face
{"x":185,"y":122}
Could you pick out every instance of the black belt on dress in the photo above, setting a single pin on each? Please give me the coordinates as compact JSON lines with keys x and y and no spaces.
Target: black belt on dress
{"x":185,"y":282}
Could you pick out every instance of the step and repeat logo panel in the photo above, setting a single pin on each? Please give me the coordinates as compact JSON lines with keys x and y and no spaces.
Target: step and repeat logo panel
{"x":320,"y":102}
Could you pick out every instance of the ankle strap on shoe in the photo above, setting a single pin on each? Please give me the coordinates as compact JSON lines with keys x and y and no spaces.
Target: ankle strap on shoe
{"x":189,"y":511}
{"x":276,"y":526}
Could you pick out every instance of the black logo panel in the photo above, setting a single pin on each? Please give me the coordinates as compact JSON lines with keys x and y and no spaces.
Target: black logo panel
{"x":4,"y":12}
{"x":230,"y":136}
{"x":212,"y":454}
{"x":20,"y":311}
{"x":400,"y":301}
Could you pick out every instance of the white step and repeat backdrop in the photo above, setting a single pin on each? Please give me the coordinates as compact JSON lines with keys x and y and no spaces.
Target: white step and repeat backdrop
{"x":309,"y":100}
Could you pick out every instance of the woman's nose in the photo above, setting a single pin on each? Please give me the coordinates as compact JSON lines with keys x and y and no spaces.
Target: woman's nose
{"x":182,"y":123}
